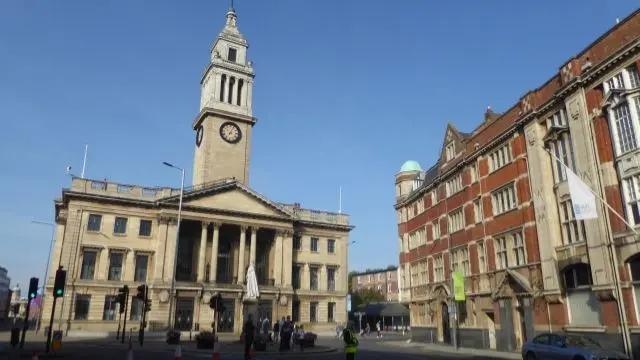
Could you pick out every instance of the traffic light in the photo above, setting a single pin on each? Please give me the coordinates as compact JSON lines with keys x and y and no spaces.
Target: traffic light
{"x":121,"y":298}
{"x":61,"y":279}
{"x":215,"y":302}
{"x":33,"y":288}
{"x":142,"y":292}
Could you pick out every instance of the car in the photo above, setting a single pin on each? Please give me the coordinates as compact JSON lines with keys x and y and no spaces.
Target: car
{"x":557,"y":346}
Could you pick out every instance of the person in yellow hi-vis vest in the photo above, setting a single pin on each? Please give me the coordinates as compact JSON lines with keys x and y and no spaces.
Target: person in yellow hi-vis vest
{"x":350,"y":341}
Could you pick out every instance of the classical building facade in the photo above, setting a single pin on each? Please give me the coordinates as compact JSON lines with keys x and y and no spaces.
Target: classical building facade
{"x":384,"y":280}
{"x":497,"y":207}
{"x":110,"y":234}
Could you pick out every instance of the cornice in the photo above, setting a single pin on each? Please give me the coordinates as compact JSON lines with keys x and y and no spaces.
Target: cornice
{"x":309,"y":224}
{"x":251,"y":120}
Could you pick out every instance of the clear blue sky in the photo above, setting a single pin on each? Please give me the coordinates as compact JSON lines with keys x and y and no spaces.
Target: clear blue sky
{"x":345,"y":92}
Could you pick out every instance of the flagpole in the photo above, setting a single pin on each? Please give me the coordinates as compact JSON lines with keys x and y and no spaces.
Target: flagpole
{"x":624,"y":326}
{"x":340,"y":206}
{"x":84,"y":162}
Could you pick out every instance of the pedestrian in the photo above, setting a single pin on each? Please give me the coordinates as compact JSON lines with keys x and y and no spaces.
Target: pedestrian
{"x":248,"y":330}
{"x":301,"y":337}
{"x":378,"y":329}
{"x":350,"y":341}
{"x":276,"y":331}
{"x":285,"y":334}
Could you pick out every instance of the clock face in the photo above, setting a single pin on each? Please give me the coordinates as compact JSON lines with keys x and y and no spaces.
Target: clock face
{"x":230,"y":132}
{"x":199,"y":134}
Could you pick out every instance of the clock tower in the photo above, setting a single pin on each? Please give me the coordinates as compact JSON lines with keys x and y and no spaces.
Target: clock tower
{"x":223,"y":126}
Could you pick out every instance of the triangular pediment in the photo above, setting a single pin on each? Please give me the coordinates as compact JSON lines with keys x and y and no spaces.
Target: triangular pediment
{"x":232,"y":197}
{"x":512,"y":284}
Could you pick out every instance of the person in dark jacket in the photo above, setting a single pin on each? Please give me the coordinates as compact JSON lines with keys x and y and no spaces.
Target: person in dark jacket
{"x":249,"y":331}
{"x":276,"y":331}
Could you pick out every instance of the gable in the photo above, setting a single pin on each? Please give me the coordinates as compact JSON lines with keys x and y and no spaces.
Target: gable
{"x":235,"y":200}
{"x":451,"y":145}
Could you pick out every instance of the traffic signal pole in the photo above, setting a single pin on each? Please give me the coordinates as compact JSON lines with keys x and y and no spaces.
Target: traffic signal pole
{"x":53,"y":312}
{"x":124,"y":326}
{"x":26,"y":324}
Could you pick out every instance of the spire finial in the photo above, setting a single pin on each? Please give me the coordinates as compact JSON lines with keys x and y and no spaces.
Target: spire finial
{"x":231,"y":4}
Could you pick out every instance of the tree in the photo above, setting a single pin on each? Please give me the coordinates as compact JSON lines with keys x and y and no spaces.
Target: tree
{"x":363,"y":297}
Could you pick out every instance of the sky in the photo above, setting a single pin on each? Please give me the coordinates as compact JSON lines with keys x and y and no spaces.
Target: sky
{"x":345,"y":92}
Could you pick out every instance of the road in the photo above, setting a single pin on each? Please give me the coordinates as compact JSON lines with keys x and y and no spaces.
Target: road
{"x":370,"y":349}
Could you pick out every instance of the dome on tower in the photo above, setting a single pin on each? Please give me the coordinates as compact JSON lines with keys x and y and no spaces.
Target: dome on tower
{"x":410,"y":165}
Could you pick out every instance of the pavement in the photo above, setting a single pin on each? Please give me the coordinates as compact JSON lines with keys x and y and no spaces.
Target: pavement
{"x":395,"y":347}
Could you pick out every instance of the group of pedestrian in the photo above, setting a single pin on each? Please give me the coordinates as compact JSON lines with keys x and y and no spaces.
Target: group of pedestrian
{"x":283,"y":331}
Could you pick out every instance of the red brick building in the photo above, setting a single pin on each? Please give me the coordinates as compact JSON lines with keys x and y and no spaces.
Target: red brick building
{"x":496,"y":207}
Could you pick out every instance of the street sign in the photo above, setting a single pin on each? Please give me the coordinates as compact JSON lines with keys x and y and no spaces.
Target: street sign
{"x":56,"y":342}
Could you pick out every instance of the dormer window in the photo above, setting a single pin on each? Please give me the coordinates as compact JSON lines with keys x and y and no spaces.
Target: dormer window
{"x":450,"y":151}
{"x":233,"y":53}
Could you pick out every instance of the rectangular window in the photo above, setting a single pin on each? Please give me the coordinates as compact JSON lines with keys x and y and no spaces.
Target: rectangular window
{"x":450,"y":151}
{"x":435,"y":230}
{"x":331,"y":246}
{"x":295,"y":276}
{"x":331,"y":279}
{"x":477,"y":211}
{"x":424,"y":274}
{"x":438,"y":268}
{"x":136,"y":309}
{"x":313,"y":278}
{"x":456,"y":221}
{"x":81,"y":309}
{"x":573,"y":230}
{"x":142,"y":264}
{"x":94,"y":222}
{"x":502,"y":259}
{"x":634,"y":79}
{"x":460,"y":259}
{"x":632,"y":197}
{"x":331,"y":312}
{"x":115,"y":266}
{"x":473,"y":172}
{"x":434,"y":197}
{"x":109,"y":311}
{"x":454,"y":185}
{"x":624,"y":128}
{"x":616,"y":82}
{"x":314,"y":244}
{"x":504,"y":199}
{"x":560,"y":145}
{"x":145,"y":228}
{"x":415,"y":274}
{"x":500,"y":157}
{"x":519,"y":257}
{"x":313,"y":311}
{"x":482,"y":257}
{"x":120,"y":226}
{"x":297,"y":242}
{"x":88,"y":265}
{"x":233,"y":53}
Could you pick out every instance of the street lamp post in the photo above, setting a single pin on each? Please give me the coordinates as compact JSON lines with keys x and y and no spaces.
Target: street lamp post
{"x":46,"y":270}
{"x":348,"y":285}
{"x":175,"y":252}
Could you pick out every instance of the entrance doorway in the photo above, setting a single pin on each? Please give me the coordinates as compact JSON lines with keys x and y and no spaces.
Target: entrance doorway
{"x":446,"y":330}
{"x":184,"y":314}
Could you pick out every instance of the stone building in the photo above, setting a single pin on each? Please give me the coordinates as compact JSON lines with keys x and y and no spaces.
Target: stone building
{"x":5,"y":293}
{"x":383,"y":280}
{"x":496,"y":206}
{"x":111,"y":234}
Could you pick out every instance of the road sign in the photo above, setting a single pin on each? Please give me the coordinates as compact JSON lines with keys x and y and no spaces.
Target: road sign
{"x":56,"y":342}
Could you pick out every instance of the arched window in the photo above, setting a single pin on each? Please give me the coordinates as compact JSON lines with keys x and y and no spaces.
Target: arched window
{"x":582,"y":303}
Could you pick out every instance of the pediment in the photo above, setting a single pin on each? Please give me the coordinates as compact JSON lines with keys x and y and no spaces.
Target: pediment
{"x":233,"y":198}
{"x":512,"y":284}
{"x":452,"y":136}
{"x":613,"y":98}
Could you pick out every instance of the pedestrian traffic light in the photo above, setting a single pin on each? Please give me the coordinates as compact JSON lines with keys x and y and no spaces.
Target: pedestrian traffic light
{"x":61,"y":279}
{"x":142,"y":292}
{"x":121,"y":298}
{"x":33,"y":288}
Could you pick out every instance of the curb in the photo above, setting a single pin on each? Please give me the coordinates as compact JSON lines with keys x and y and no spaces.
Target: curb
{"x":259,"y":353}
{"x":459,"y":351}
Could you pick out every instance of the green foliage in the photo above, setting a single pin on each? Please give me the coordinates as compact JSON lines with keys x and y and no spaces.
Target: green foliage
{"x":361,"y":298}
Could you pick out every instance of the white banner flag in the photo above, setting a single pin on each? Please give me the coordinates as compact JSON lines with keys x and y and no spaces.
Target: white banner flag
{"x":584,"y":202}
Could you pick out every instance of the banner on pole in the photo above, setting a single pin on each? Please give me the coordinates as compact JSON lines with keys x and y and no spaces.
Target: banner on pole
{"x":582,"y":199}
{"x":458,"y":286}
{"x":348,"y":302}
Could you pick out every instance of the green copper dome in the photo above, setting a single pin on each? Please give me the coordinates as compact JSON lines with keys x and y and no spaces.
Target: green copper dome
{"x":410,"y":165}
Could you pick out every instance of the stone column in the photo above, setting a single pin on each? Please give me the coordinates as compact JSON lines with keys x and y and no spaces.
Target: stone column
{"x":323,"y":284}
{"x":234,"y":90}
{"x":278,"y":259}
{"x":305,"y":278}
{"x":129,"y":265}
{"x":201,"y":253}
{"x":102,"y":272}
{"x":213,"y":267}
{"x":287,"y":257}
{"x":252,"y":252}
{"x":241,"y":262}
{"x":159,"y":255}
{"x":171,"y":248}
